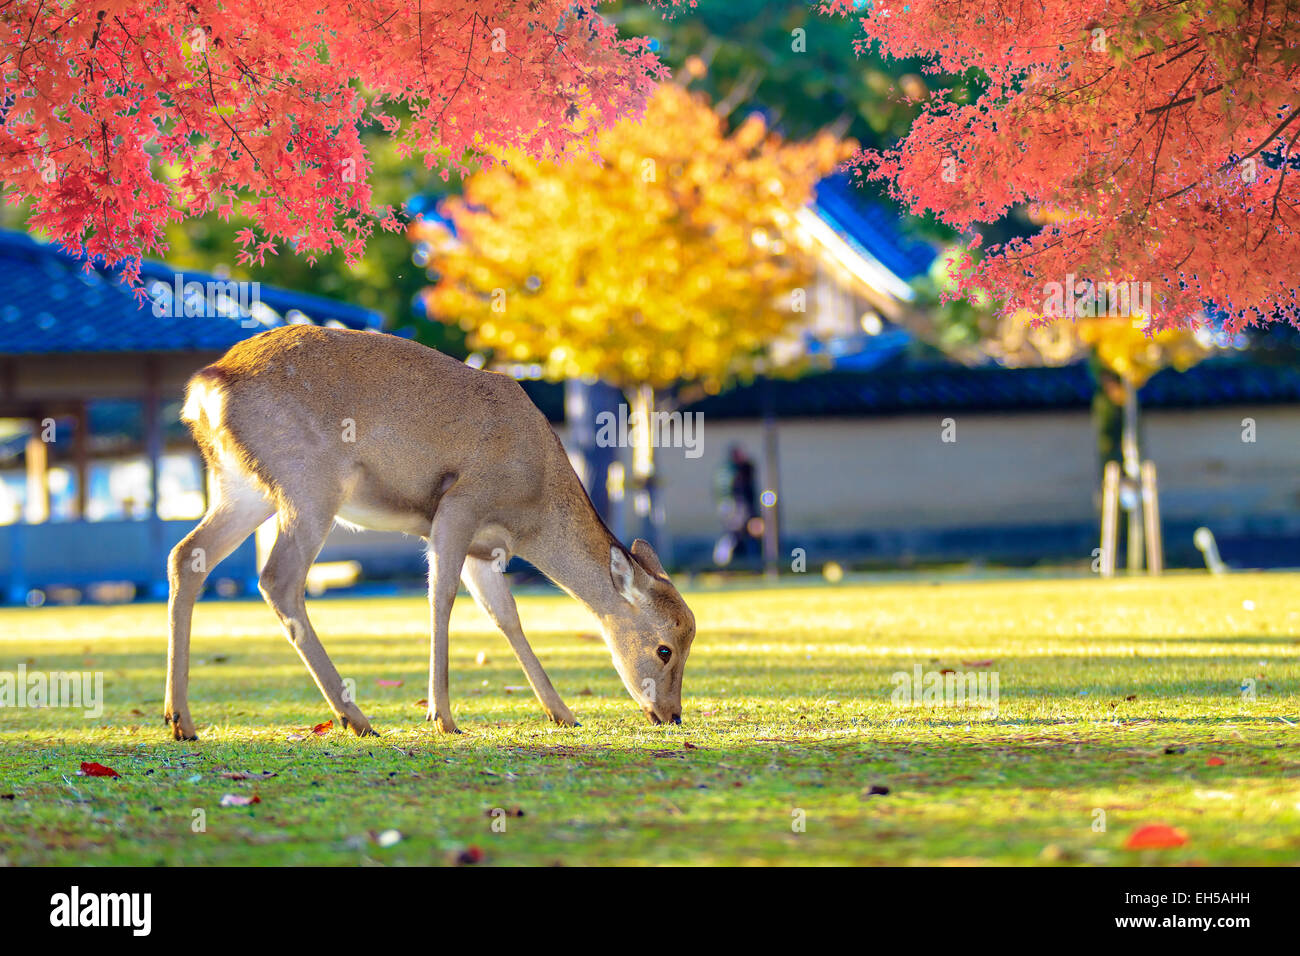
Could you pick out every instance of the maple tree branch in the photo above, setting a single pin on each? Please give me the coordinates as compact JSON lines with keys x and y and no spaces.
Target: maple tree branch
{"x":1228,"y":165}
{"x":1281,"y":181}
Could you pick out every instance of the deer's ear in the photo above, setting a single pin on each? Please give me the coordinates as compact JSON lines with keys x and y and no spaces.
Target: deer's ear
{"x":647,"y":558}
{"x":623,"y":573}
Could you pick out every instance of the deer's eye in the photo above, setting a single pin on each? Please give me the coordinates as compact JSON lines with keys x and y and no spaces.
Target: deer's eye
{"x":665,"y":652}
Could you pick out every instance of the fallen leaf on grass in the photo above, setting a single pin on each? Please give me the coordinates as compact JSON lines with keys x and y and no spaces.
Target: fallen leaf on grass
{"x":469,"y":855}
{"x":247,"y":775}
{"x":98,"y":770}
{"x":1155,"y":836}
{"x":239,"y":800}
{"x":1215,"y":762}
{"x":320,"y":730}
{"x":1175,"y":750}
{"x":876,"y":790}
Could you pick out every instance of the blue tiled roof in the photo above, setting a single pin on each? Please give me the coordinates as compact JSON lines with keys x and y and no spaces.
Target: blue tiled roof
{"x":50,"y":304}
{"x":907,"y":387}
{"x":871,"y":227}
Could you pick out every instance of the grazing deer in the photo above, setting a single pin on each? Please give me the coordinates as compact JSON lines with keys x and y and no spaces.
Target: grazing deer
{"x":313,"y":425}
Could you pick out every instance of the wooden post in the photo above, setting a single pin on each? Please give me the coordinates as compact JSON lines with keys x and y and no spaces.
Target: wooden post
{"x":1151,"y":513}
{"x":772,"y":481}
{"x":1132,"y":469}
{"x":1109,"y":517}
{"x":38,"y":475}
{"x":645,"y":491}
{"x":81,"y":457}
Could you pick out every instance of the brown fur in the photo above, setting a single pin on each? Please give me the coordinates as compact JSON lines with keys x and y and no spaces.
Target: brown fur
{"x":311,"y":423}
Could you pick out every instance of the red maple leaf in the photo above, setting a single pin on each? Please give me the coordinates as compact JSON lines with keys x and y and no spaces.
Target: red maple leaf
{"x":1155,"y":836}
{"x":98,"y":770}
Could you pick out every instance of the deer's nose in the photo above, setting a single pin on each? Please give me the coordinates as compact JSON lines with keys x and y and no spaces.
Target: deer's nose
{"x":677,"y":719}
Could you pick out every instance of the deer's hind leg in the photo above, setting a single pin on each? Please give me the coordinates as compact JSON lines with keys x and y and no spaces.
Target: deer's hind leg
{"x":238,"y":506}
{"x":449,"y":541}
{"x":492,"y":592}
{"x":302,"y":528}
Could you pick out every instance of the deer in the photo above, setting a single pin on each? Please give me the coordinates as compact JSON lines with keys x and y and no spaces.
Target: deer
{"x":316,"y":425}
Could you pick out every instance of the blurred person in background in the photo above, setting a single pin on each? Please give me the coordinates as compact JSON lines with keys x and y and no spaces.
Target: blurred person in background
{"x":736,"y":492}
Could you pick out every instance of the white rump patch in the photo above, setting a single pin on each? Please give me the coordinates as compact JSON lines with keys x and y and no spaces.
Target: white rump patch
{"x":203,"y":403}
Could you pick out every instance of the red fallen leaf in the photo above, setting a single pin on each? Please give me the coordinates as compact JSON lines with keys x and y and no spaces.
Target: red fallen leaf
{"x":976,"y":663}
{"x":471,"y":854}
{"x":1215,"y":762}
{"x":691,"y":746}
{"x":947,"y":670}
{"x":389,"y":683}
{"x":98,"y":770}
{"x":422,"y":702}
{"x":1155,"y":836}
{"x":320,"y":730}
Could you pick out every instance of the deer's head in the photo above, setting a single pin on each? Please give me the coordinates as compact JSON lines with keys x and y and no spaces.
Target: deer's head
{"x":649,"y":633}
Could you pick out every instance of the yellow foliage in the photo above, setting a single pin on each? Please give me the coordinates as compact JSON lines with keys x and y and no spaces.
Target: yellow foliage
{"x":655,"y":267}
{"x":1124,"y":347}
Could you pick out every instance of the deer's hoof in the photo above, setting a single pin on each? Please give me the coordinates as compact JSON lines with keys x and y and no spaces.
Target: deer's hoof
{"x":445,"y":725}
{"x":359,"y":725}
{"x":181,"y":724}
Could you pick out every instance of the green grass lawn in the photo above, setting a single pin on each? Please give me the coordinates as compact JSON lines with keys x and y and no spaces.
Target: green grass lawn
{"x":1114,"y":696}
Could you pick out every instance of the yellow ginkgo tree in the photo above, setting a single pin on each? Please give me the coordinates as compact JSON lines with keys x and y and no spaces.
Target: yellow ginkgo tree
{"x":675,"y":260}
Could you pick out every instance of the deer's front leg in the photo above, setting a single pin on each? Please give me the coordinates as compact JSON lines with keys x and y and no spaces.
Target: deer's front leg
{"x":449,"y":541}
{"x":492,"y":592}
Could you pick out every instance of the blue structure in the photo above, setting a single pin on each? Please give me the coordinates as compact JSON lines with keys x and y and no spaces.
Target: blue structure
{"x":98,"y":375}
